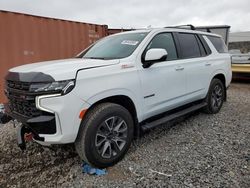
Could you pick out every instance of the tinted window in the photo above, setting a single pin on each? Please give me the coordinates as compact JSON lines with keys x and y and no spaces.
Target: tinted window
{"x":205,"y":45}
{"x":218,"y":43}
{"x":189,"y":45}
{"x":114,"y":46}
{"x":202,"y":49}
{"x":165,"y":41}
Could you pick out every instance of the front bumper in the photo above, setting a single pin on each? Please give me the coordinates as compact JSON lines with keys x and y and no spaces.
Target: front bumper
{"x":43,"y":124}
{"x":54,"y":118}
{"x":59,"y":121}
{"x":66,"y":110}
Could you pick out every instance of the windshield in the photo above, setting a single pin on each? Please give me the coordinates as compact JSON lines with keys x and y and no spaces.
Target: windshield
{"x":114,"y":47}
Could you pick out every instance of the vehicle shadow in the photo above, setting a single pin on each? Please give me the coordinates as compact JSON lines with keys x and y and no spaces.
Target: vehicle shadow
{"x":241,"y":80}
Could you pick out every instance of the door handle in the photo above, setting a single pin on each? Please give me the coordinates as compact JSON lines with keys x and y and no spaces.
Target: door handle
{"x":179,"y":68}
{"x":207,"y":64}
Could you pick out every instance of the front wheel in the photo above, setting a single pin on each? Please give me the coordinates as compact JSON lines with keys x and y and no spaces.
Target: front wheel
{"x":105,"y":135}
{"x":215,"y":97}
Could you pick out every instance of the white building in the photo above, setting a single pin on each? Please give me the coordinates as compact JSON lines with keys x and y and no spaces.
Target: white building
{"x":239,"y":36}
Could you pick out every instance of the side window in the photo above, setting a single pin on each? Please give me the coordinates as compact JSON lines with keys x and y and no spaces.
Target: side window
{"x":202,"y":49}
{"x":189,"y":45}
{"x":205,"y":45}
{"x":165,"y":41}
{"x":218,"y":43}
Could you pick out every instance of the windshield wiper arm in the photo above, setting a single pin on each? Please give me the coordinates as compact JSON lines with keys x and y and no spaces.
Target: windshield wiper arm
{"x":94,"y":57}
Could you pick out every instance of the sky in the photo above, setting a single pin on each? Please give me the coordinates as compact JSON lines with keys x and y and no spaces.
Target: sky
{"x":140,"y":13}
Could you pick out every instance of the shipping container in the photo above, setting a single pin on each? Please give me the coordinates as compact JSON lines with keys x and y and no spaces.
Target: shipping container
{"x":28,"y":39}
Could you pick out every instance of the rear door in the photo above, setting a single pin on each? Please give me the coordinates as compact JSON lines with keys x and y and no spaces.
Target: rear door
{"x":196,"y":65}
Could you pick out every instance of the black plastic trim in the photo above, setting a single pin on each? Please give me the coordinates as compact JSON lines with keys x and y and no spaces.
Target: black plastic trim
{"x":11,"y":90}
{"x":31,"y":77}
{"x":205,"y":45}
{"x":177,"y":44}
{"x":147,"y":64}
{"x":201,"y":46}
{"x":44,"y":124}
{"x":171,"y":116}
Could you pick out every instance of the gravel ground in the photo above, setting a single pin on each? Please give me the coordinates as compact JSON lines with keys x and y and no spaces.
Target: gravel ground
{"x":201,"y":151}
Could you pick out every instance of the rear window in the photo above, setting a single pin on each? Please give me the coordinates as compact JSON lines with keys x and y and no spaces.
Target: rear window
{"x":218,"y":43}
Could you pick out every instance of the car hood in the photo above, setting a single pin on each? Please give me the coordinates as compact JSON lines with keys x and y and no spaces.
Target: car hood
{"x":56,"y":69}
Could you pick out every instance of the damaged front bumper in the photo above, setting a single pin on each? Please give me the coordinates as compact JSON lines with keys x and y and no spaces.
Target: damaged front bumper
{"x":4,"y":118}
{"x":43,"y":124}
{"x":21,"y":131}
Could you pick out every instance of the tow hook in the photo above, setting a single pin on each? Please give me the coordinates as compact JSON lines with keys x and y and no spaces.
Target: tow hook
{"x":23,"y":134}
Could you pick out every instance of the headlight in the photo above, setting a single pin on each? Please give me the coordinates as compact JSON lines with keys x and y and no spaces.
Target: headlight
{"x":63,"y":87}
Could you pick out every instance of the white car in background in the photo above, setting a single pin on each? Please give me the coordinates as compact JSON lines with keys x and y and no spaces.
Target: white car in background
{"x":240,"y":63}
{"x":238,"y":57}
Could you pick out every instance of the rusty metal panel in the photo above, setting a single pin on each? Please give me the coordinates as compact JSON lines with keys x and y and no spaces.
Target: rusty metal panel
{"x":28,"y":39}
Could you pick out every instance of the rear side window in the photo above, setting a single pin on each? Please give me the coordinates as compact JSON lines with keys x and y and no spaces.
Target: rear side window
{"x":165,"y":41}
{"x":218,"y":43}
{"x":189,"y":45}
{"x":202,"y":49}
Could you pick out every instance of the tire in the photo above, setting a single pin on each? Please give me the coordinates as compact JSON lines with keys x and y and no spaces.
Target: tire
{"x":105,"y":135}
{"x":215,"y":97}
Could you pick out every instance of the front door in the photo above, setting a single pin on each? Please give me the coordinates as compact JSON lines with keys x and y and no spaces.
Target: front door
{"x":164,"y":83}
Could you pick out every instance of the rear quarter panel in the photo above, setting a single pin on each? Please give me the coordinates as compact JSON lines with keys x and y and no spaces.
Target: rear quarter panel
{"x":221,"y":63}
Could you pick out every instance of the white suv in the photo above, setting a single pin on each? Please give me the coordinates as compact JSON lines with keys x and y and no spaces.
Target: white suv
{"x":118,"y":87}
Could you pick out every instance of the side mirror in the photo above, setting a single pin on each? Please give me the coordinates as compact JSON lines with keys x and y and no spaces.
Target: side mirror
{"x":154,"y":55}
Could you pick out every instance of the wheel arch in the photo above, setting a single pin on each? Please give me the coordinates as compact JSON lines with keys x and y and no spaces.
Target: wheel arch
{"x":125,"y":101}
{"x":221,"y":76}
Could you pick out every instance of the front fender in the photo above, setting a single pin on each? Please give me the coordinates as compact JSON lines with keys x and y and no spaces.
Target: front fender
{"x":116,"y":92}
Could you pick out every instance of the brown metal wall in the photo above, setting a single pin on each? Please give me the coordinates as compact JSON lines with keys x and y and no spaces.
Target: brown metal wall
{"x":27,"y":39}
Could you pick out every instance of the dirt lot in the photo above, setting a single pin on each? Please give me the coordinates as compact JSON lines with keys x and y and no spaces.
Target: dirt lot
{"x":201,"y":151}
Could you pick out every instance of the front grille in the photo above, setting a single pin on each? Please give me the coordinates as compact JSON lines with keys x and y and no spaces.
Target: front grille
{"x":21,"y":101}
{"x":23,"y":86}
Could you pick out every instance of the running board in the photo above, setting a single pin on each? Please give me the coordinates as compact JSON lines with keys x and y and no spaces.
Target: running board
{"x":173,"y":116}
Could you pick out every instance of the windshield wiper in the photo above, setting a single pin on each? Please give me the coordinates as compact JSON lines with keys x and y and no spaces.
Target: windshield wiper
{"x":94,"y":58}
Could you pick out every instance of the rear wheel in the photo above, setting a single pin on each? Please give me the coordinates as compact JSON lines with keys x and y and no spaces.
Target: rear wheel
{"x":105,"y":135}
{"x":215,"y":96}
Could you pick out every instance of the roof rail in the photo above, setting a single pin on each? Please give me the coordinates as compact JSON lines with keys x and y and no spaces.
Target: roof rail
{"x":182,"y":26}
